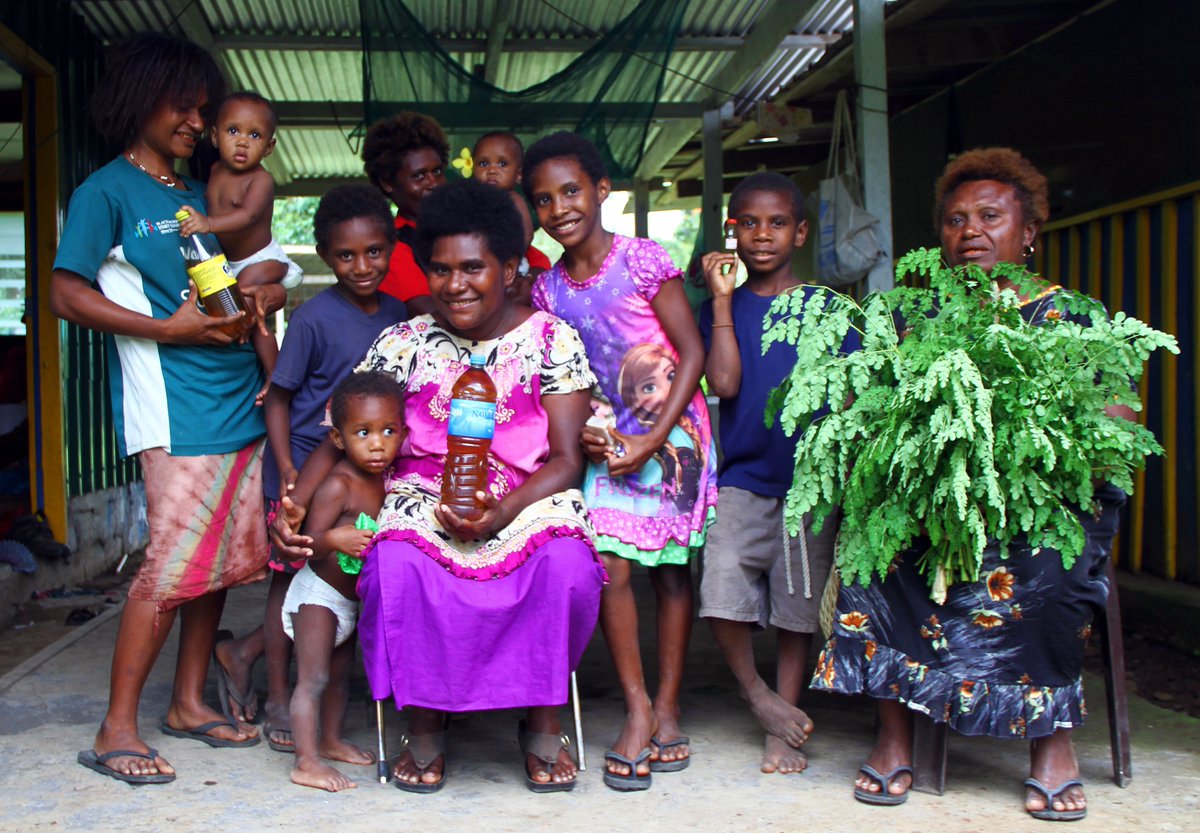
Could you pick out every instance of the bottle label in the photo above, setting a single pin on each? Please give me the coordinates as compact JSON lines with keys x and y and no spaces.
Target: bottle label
{"x":476,"y":420}
{"x":212,"y":275}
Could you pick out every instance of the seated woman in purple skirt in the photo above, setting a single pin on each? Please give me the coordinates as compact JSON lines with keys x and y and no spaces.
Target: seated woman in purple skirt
{"x":492,"y":613}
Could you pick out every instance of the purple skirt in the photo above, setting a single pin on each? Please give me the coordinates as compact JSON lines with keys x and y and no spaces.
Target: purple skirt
{"x":434,"y":640}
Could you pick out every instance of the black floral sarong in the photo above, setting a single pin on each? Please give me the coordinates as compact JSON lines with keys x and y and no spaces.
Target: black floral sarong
{"x":1003,"y":655}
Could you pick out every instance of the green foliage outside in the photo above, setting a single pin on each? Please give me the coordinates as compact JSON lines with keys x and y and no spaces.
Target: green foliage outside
{"x":292,"y":221}
{"x":975,"y":427}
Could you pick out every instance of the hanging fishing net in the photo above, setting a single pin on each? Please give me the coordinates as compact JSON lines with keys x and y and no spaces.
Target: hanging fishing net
{"x":607,"y":94}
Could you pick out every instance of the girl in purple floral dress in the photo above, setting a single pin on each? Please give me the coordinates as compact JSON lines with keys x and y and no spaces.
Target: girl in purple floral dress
{"x":651,"y":489}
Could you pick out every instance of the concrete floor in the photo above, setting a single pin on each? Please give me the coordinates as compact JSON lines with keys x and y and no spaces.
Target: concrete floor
{"x":50,"y":713}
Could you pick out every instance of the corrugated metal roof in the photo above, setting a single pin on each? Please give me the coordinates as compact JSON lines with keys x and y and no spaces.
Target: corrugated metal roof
{"x":306,"y":72}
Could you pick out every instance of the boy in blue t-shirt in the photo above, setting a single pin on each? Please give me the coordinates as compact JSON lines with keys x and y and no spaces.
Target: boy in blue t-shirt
{"x":754,"y":573}
{"x":326,"y":338}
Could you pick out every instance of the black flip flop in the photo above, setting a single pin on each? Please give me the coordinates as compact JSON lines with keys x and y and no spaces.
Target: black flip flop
{"x":1049,"y":813}
{"x":286,"y":748}
{"x":425,"y":749}
{"x":545,"y":747}
{"x":201,"y":733}
{"x":631,"y":782}
{"x":96,"y":763}
{"x":670,"y":766}
{"x":227,"y":690}
{"x":883,"y":798}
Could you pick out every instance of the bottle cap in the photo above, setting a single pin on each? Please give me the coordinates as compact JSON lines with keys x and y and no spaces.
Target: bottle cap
{"x":181,"y":215}
{"x":478,"y":361}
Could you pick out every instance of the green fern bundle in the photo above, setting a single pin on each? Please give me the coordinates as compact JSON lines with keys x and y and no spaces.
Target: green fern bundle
{"x":976,"y":426}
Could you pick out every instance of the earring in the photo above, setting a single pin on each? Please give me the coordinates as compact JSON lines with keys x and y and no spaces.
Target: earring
{"x":1028,"y":251}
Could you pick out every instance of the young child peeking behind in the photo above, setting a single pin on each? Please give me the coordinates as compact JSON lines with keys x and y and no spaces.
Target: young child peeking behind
{"x":241,"y":195}
{"x":321,"y":608}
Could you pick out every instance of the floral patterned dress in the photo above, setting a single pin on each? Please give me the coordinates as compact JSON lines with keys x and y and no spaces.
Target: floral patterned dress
{"x":1003,"y":655}
{"x":496,"y":623}
{"x":659,"y":514}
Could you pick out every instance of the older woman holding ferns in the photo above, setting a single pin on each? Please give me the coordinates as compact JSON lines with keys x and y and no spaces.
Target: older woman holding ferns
{"x":1003,"y":655}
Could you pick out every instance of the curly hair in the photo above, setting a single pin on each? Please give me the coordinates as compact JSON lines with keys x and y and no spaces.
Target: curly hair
{"x":349,"y":202}
{"x":146,"y":71}
{"x":500,"y":134}
{"x":771,"y":183}
{"x":370,"y":384}
{"x":250,"y":97}
{"x":470,"y":207}
{"x":390,"y":140}
{"x":1002,"y":165}
{"x":564,"y":144}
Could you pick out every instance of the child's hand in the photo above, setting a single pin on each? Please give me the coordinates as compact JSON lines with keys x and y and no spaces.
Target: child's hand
{"x":638,"y":449}
{"x":264,"y":300}
{"x":287,"y":480}
{"x":594,"y":446}
{"x":349,"y":540}
{"x":489,"y":522}
{"x":720,"y":283}
{"x":196,"y":223}
{"x":285,"y":532}
{"x":261,"y":396}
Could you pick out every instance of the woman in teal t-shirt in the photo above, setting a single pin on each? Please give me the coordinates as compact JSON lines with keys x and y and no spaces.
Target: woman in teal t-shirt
{"x":182,"y":391}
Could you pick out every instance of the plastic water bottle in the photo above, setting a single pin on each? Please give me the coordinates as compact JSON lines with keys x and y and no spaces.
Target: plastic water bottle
{"x":468,"y":440}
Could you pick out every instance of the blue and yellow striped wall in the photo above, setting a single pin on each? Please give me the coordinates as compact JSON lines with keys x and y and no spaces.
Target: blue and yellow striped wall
{"x":1143,"y":257}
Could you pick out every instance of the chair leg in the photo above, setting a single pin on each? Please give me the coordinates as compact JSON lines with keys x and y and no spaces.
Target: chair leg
{"x":931,"y":741}
{"x":578,"y":723}
{"x":1112,"y":643}
{"x":381,"y":764}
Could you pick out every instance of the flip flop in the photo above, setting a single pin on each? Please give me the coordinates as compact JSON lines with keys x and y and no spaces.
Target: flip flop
{"x":425,"y":750}
{"x":286,"y":748}
{"x":545,"y":747}
{"x":883,"y":798}
{"x":226,"y":688}
{"x":201,"y":733}
{"x":631,"y":782}
{"x":96,"y":763}
{"x":1049,"y":813}
{"x":670,"y":766}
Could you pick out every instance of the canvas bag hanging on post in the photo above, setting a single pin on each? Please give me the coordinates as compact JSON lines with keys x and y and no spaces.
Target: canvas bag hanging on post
{"x":847,"y":236}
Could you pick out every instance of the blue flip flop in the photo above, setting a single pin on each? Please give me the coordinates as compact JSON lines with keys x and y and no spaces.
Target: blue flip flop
{"x":201,"y":733}
{"x":96,"y":763}
{"x":1049,"y":813}
{"x":631,"y":782}
{"x":883,"y":798}
{"x":670,"y":766}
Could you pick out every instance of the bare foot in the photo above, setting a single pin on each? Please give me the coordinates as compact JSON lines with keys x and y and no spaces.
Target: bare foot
{"x":320,"y":775}
{"x":407,"y":770}
{"x":668,"y":730}
{"x":777,"y":716}
{"x":338,"y":749}
{"x":640,"y":726}
{"x":109,"y":739}
{"x":780,"y":756}
{"x":1052,"y":761}
{"x":184,"y":720}
{"x":238,"y":670}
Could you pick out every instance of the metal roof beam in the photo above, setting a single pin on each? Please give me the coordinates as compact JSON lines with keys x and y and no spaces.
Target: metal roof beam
{"x":347,"y":114}
{"x":842,"y":64}
{"x":501,"y":18}
{"x":771,"y":30}
{"x":353,"y":43}
{"x":191,"y":21}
